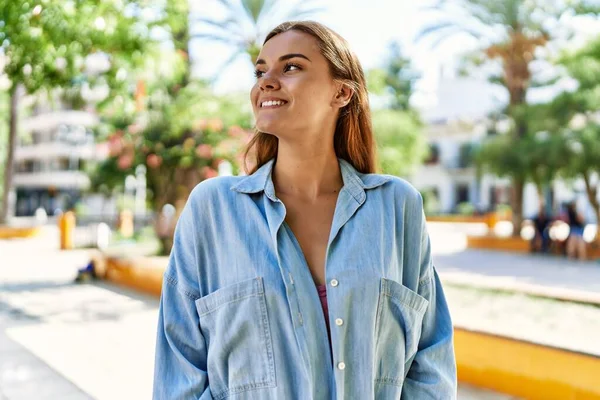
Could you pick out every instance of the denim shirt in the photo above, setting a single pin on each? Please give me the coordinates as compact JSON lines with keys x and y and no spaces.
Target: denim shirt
{"x":240,"y":316}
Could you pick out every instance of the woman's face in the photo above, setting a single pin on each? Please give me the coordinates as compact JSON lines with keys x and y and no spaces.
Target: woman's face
{"x":294,"y":91}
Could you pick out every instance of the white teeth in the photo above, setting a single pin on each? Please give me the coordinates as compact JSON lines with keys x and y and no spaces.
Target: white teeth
{"x":271,"y":103}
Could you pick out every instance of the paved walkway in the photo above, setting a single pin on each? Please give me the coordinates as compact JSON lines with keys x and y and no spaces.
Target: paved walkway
{"x":60,"y":340}
{"x":547,"y":276}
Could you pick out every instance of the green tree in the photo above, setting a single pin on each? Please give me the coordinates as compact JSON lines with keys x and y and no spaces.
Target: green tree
{"x":401,"y":146}
{"x":45,"y":44}
{"x":400,"y":78}
{"x":3,"y":136}
{"x":247,"y":23}
{"x":574,"y":117}
{"x":171,"y":124}
{"x":395,"y":80}
{"x":510,"y":31}
{"x":397,"y":127}
{"x":535,"y":158}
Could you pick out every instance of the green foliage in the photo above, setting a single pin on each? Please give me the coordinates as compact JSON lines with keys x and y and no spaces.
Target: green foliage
{"x":171,"y":124}
{"x":573,"y":116}
{"x":395,"y":80}
{"x":476,"y":17}
{"x":465,"y":208}
{"x":401,"y":145}
{"x":376,"y":81}
{"x":535,"y":158}
{"x":46,"y":41}
{"x":179,"y":139}
{"x":431,"y":202}
{"x":3,"y":135}
{"x":466,"y":156}
{"x":400,"y":78}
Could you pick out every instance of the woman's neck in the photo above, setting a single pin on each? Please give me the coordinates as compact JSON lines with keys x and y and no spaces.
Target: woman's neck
{"x":306,"y":175}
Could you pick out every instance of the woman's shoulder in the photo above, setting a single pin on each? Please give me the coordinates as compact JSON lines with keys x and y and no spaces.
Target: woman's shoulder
{"x":213,"y":188}
{"x":400,"y":188}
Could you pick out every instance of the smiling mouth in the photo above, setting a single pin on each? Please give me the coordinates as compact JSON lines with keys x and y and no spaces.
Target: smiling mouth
{"x":272,"y":104}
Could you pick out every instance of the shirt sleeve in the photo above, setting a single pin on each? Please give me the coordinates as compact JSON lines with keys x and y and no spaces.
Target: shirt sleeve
{"x":180,"y":370}
{"x":432,"y":374}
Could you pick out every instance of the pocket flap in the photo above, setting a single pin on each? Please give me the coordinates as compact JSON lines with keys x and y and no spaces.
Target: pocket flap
{"x":404,"y":295}
{"x":229,"y":294}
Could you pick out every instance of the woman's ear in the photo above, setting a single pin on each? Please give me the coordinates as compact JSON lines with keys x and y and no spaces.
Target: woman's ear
{"x":343,"y":96}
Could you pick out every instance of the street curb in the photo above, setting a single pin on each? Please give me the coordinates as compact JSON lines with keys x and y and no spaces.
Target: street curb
{"x":556,"y":293}
{"x":525,"y":369}
{"x":7,"y":232}
{"x":506,"y":365}
{"x":144,"y":274}
{"x":515,"y":245}
{"x":489,"y":242}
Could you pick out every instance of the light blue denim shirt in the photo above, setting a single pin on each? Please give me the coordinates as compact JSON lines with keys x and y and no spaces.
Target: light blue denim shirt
{"x":240,"y":316}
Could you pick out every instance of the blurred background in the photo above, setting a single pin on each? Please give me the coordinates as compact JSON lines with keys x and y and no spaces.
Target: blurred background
{"x":112,"y":111}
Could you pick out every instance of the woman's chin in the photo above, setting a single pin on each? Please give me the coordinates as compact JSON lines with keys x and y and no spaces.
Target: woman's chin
{"x":270,"y":128}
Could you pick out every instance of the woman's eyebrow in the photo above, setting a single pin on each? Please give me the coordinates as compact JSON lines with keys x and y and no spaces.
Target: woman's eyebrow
{"x":285,"y":57}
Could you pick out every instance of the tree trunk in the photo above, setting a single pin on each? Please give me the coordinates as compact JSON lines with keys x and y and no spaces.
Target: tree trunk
{"x":517,"y":205}
{"x":166,"y":244}
{"x":12,"y":144}
{"x":592,"y":193}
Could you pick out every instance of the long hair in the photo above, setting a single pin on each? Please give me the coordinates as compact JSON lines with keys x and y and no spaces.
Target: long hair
{"x":353,"y":139}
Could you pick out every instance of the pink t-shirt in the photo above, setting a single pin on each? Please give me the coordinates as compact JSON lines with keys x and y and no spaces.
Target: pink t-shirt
{"x":322,"y":289}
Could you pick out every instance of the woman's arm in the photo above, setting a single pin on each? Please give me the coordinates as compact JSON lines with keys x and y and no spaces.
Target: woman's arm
{"x":180,"y":370}
{"x":432,"y":374}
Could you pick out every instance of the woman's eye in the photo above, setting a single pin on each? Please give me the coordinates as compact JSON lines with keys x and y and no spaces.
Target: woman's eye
{"x":289,"y":67}
{"x":258,"y":73}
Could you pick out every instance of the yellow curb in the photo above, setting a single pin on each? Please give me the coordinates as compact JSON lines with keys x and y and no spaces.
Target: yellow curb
{"x":525,"y":369}
{"x":144,"y":274}
{"x":498,"y":363}
{"x":513,"y":244}
{"x":459,"y":219}
{"x":7,"y":232}
{"x":516,"y":245}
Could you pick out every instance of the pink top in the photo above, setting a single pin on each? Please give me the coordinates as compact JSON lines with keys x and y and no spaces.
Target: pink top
{"x":322,"y":289}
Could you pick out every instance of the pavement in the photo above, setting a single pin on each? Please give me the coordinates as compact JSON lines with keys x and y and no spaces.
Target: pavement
{"x":61,"y":340}
{"x":533,"y":274}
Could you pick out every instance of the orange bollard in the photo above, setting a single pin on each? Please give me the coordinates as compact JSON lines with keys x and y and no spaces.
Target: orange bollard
{"x":126,"y":227}
{"x":66,"y":226}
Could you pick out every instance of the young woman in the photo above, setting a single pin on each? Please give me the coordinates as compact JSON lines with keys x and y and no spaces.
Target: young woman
{"x":312,"y":277}
{"x":576,"y":246}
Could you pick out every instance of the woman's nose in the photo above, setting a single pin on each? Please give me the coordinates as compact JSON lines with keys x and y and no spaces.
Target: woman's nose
{"x":269,"y":82}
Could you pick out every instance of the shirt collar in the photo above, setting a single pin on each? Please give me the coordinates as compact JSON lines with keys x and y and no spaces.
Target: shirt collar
{"x":355,"y":182}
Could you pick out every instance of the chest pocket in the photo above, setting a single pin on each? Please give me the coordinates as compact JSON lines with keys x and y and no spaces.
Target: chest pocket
{"x":400,"y":314}
{"x":235,"y":325}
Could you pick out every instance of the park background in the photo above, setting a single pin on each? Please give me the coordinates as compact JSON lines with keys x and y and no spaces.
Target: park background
{"x":112,"y":111}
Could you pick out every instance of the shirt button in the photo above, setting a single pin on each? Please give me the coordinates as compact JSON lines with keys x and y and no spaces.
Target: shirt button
{"x":341,"y":366}
{"x":334,"y":282}
{"x":339,"y":321}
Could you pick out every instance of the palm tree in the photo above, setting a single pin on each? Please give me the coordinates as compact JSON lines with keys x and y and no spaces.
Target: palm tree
{"x":510,"y":31}
{"x":247,"y":22}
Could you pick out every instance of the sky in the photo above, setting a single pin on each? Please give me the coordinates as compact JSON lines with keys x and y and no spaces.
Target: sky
{"x":369,"y":26}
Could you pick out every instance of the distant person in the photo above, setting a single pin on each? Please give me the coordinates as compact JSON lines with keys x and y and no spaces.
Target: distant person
{"x":312,"y":277}
{"x":576,"y":246}
{"x":541,"y":238}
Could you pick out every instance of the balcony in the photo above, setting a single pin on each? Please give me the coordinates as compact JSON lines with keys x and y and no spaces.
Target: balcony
{"x":57,"y":179}
{"x":55,"y":150}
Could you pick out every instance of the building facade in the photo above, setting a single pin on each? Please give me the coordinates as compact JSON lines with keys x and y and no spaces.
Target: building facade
{"x":455,"y":124}
{"x":51,"y":162}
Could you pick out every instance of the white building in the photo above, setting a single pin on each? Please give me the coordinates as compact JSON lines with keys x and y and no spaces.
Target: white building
{"x":457,"y":120}
{"x":50,"y":165}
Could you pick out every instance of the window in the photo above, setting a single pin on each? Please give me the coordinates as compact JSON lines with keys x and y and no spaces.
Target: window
{"x":462,"y":193}
{"x":434,"y":154}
